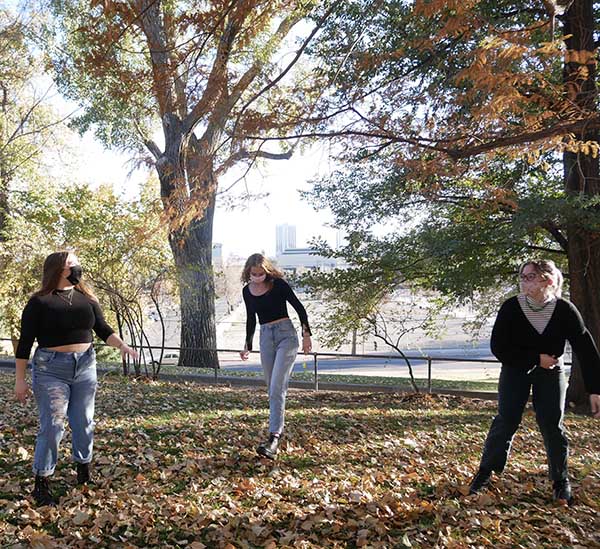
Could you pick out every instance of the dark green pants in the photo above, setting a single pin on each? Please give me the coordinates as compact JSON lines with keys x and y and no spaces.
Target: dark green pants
{"x":549,"y":391}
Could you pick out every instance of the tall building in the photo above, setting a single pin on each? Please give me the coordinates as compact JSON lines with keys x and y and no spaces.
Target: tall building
{"x":340,"y":239}
{"x":217,"y":255}
{"x":285,"y":238}
{"x":297,"y":260}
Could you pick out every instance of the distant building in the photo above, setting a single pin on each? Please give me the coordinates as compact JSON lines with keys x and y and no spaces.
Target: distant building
{"x":340,"y":239}
{"x":285,"y":238}
{"x":297,"y":260}
{"x":217,"y":255}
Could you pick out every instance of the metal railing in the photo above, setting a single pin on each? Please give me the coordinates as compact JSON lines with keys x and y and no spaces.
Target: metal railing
{"x":316,"y":357}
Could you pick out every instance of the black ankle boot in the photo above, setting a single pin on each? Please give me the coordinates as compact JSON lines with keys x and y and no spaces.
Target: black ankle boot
{"x":480,"y":480}
{"x":83,"y":473}
{"x":41,"y":492}
{"x":562,"y":492}
{"x":269,"y":449}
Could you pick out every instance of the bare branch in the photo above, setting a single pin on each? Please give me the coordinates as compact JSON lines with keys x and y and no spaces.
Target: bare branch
{"x":297,"y":56}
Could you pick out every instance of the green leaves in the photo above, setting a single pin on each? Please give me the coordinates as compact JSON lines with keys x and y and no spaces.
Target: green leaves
{"x":121,"y":244}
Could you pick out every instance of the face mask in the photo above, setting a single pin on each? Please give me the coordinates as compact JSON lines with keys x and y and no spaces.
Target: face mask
{"x":260,"y":278}
{"x":75,"y":276}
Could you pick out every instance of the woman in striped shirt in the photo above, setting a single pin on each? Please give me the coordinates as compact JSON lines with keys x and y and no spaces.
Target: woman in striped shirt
{"x":529,"y":338}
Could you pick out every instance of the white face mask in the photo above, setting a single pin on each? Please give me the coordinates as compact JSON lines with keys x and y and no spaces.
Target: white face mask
{"x":257,"y":279}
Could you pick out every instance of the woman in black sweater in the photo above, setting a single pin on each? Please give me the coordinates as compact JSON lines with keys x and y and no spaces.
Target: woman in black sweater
{"x":529,"y":338}
{"x":265,"y":296}
{"x":61,"y":316}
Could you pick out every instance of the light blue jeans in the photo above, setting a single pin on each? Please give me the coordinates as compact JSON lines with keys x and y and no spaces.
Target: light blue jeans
{"x":278,"y":350}
{"x":64,"y":385}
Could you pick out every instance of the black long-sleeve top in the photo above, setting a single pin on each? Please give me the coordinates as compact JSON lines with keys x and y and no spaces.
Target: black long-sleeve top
{"x":516,"y":343}
{"x":271,"y":306}
{"x":53,"y":322}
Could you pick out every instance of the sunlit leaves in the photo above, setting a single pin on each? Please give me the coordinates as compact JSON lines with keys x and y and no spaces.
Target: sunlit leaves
{"x":175,"y":467}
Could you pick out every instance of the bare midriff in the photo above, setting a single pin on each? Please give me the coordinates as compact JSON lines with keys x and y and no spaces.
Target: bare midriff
{"x":73,"y":348}
{"x":276,"y":321}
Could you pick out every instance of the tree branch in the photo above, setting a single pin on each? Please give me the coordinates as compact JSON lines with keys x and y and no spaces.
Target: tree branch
{"x":561,"y":240}
{"x":548,"y":250}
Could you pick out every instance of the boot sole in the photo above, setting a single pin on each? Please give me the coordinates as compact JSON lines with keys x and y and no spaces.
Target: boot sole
{"x":263,"y":453}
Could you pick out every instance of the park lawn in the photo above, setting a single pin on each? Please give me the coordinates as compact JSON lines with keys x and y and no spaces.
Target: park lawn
{"x":175,"y":467}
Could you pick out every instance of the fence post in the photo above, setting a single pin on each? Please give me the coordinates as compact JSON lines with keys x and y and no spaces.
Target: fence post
{"x":429,"y":374}
{"x":316,"y":372}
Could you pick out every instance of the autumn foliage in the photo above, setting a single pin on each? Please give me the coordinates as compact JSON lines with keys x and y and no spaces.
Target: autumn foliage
{"x":175,"y":467}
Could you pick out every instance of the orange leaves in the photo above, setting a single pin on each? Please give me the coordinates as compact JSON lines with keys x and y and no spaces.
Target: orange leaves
{"x":458,"y":16}
{"x":360,"y":470}
{"x":582,"y":57}
{"x":574,"y":145}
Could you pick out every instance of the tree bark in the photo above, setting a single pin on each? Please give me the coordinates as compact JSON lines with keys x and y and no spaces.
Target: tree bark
{"x":581,"y":177}
{"x":182,"y":175}
{"x":192,"y":251}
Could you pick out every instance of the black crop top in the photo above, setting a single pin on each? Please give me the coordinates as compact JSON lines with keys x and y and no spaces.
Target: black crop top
{"x":53,"y":322}
{"x":271,"y":306}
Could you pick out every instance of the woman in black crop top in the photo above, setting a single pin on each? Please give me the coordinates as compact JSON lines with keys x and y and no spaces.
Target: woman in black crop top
{"x":265,"y":296}
{"x":61,"y":316}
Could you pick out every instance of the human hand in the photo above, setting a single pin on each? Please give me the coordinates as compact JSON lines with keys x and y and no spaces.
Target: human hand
{"x":22,"y":390}
{"x":244,"y":354}
{"x":127,"y":350}
{"x":548,"y":361}
{"x":595,"y":404}
{"x":306,"y":344}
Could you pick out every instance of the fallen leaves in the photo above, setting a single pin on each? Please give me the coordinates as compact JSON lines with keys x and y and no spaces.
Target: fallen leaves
{"x":175,"y":467}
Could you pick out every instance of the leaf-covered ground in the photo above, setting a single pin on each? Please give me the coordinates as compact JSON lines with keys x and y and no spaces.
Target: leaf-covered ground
{"x":175,"y":467}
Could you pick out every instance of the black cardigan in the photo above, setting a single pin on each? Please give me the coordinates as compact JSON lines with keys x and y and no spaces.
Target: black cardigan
{"x":517,"y":344}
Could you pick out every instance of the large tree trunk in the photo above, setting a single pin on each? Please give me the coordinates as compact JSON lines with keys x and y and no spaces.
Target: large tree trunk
{"x":193,"y":257}
{"x":181,"y":176}
{"x":581,"y":175}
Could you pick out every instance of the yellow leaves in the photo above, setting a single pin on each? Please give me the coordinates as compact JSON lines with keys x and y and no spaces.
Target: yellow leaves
{"x":576,"y":146}
{"x":383,"y":479}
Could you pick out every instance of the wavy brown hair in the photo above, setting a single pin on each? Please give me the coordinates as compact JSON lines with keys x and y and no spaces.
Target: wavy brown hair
{"x":53,"y":267}
{"x":259,"y":260}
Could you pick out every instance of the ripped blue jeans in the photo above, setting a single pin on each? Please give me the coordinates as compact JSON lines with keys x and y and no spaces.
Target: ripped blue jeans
{"x":64,"y":386}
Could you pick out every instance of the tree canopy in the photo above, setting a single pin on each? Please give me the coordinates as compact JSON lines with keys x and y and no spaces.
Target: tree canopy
{"x":186,"y":85}
{"x":471,"y":130}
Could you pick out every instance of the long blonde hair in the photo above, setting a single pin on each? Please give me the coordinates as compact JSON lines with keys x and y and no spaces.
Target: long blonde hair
{"x":547,"y":269}
{"x":259,"y":260}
